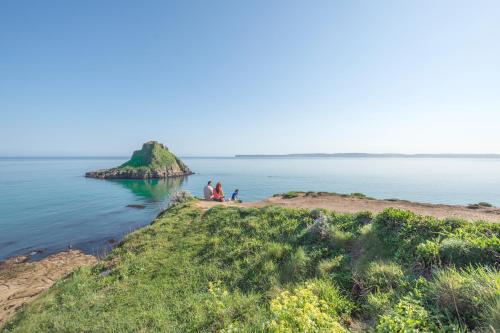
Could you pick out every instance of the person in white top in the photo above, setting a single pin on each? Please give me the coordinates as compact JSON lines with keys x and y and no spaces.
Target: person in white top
{"x":208,"y":191}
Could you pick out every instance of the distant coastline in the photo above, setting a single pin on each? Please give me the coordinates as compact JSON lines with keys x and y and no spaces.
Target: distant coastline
{"x":367,"y":155}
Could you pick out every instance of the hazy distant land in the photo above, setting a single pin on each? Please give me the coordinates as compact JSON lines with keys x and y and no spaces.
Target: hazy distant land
{"x":367,"y":155}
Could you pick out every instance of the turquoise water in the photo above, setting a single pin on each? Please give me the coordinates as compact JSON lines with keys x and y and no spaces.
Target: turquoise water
{"x":47,"y":204}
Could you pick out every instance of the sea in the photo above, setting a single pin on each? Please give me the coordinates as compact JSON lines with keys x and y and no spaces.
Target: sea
{"x":47,"y":205}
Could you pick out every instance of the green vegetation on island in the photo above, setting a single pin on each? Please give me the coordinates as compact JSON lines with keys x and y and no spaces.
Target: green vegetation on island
{"x":154,"y":160}
{"x":274,"y":269}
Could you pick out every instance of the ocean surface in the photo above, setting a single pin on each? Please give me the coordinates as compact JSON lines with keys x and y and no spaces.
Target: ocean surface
{"x":46,"y":204}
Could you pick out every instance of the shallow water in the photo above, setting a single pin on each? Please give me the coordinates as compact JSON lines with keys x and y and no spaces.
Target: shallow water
{"x":47,"y":204}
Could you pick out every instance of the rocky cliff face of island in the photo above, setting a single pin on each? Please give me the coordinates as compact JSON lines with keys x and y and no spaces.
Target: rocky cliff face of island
{"x":154,"y":160}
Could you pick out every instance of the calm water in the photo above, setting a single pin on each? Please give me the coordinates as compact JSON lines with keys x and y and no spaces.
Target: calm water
{"x":47,"y":203}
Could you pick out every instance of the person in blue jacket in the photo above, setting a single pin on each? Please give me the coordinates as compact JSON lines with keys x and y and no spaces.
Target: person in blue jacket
{"x":234,"y":196}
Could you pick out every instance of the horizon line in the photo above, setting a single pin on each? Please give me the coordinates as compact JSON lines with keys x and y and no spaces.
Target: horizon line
{"x":383,"y":155}
{"x":350,"y":154}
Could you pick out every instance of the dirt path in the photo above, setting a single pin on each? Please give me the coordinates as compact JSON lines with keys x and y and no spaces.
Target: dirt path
{"x":21,"y":281}
{"x":348,"y":204}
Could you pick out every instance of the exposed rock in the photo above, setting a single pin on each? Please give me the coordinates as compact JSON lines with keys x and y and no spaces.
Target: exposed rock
{"x":154,"y":160}
{"x":21,"y":281}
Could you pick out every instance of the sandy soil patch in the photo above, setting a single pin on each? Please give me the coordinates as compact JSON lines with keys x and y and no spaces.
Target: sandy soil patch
{"x":22,"y":281}
{"x":347,"y":204}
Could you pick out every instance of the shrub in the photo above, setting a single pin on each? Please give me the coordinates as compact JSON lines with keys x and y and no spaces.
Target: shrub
{"x":340,"y":239}
{"x":360,"y":196}
{"x":480,"y":205}
{"x":318,"y":213}
{"x":334,"y":229}
{"x":311,"y":194}
{"x":383,"y":276}
{"x":179,"y":197}
{"x":319,"y":230}
{"x":456,"y":251}
{"x":363,"y":217}
{"x":377,"y":303}
{"x":327,"y":267}
{"x":408,"y":316}
{"x":462,"y":242}
{"x":317,"y":306}
{"x":428,"y":253}
{"x":469,"y":295}
{"x":291,"y":195}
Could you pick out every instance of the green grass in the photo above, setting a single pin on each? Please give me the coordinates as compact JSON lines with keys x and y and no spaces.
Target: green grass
{"x":291,"y":194}
{"x":295,"y":194}
{"x":275,"y":269}
{"x":153,"y":155}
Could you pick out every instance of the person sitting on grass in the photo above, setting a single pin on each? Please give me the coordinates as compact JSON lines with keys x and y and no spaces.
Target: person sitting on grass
{"x":234,"y":196}
{"x":218,"y":193}
{"x":208,"y":191}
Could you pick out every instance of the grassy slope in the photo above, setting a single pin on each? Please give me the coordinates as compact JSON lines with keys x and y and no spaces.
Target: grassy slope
{"x":275,"y":269}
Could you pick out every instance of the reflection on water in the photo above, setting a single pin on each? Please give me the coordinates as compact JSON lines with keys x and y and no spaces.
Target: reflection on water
{"x":155,"y":190}
{"x":48,"y":204}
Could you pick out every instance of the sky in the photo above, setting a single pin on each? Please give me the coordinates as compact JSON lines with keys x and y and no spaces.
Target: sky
{"x":218,"y":78}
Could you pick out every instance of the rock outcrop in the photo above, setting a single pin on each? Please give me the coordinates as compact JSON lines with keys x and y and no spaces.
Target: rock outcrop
{"x":154,"y":160}
{"x":22,"y":281}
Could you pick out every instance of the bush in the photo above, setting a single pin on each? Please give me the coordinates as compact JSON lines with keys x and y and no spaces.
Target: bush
{"x":340,"y":239}
{"x":408,"y":316}
{"x":383,"y":276}
{"x":456,"y":251}
{"x":291,"y":195}
{"x":179,"y":197}
{"x":320,"y":229}
{"x":461,"y":242}
{"x":317,"y":306}
{"x":480,"y":205}
{"x":318,"y":213}
{"x":428,"y":253}
{"x":377,"y":303}
{"x":323,"y":230}
{"x":363,"y":217}
{"x":326,"y":267}
{"x":361,"y":196}
{"x":469,"y":296}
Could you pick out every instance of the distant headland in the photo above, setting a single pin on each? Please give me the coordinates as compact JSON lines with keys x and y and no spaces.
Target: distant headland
{"x":368,"y":155}
{"x":154,"y":160}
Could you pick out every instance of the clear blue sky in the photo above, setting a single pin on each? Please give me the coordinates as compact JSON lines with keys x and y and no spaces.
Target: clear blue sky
{"x":227,"y":77}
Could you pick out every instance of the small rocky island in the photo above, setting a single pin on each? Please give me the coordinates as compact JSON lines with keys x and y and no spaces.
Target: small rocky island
{"x":154,"y":160}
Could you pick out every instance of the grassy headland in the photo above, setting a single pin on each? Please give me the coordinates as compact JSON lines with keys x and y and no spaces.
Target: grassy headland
{"x":276,"y":269}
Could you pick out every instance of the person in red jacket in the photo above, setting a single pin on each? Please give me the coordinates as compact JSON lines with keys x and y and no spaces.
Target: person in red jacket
{"x":218,"y":193}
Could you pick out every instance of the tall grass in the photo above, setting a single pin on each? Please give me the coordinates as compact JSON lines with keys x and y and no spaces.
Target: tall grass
{"x":275,"y":269}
